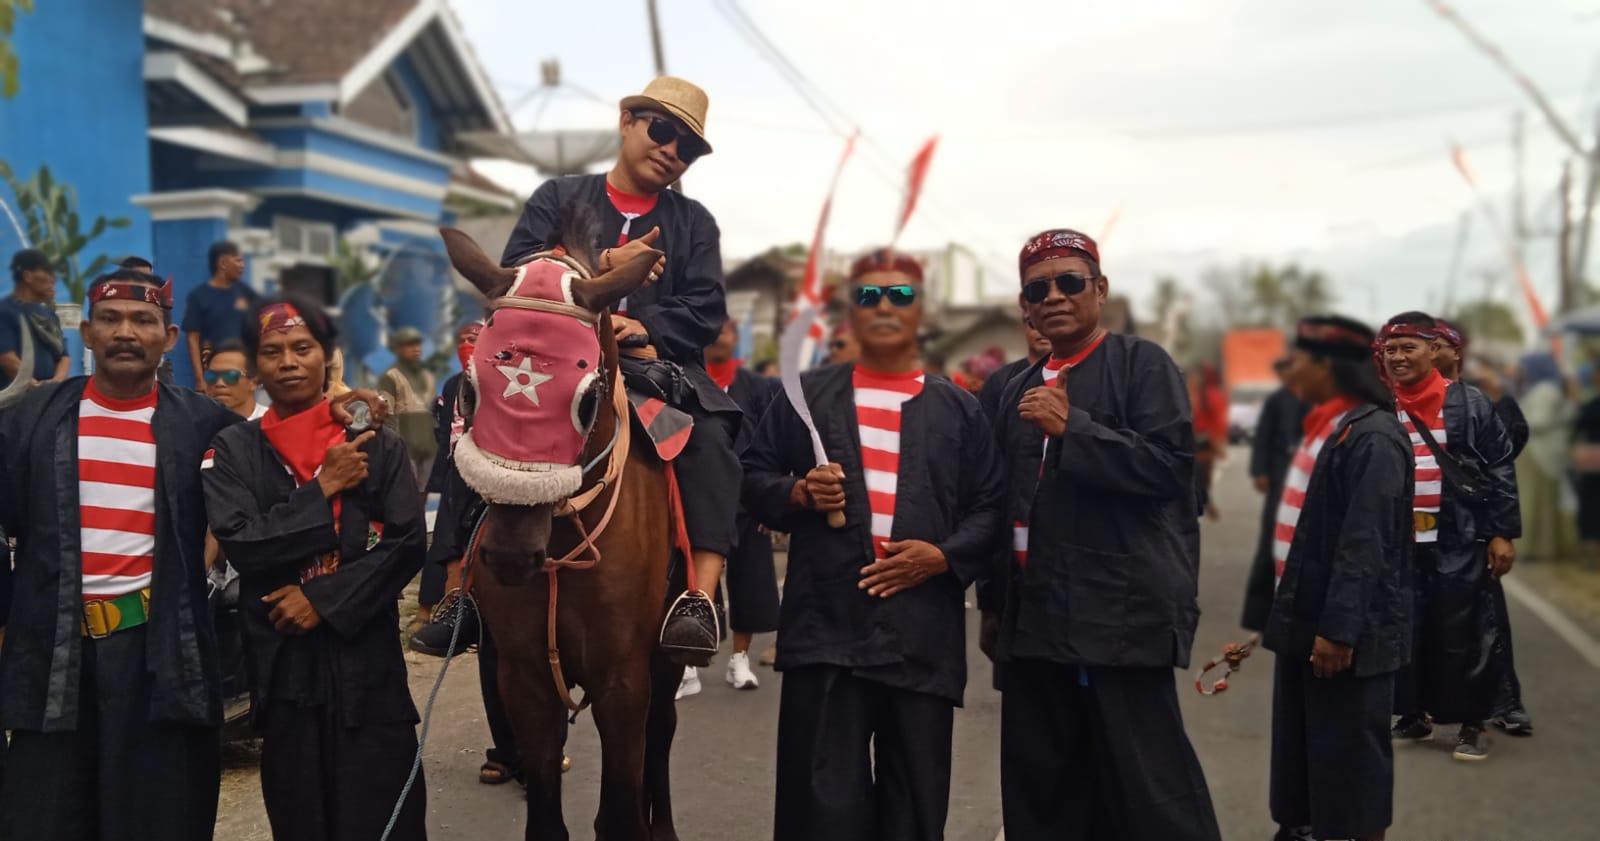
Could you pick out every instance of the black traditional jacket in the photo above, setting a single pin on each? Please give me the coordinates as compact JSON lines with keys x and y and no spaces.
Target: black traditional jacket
{"x":1473,"y":426}
{"x":754,"y":394}
{"x":949,"y":493}
{"x":991,"y":588}
{"x":1278,"y":435}
{"x":271,"y":529}
{"x":1114,"y":547}
{"x":1348,"y":577}
{"x":1279,"y":432}
{"x":684,"y":310}
{"x":39,"y":507}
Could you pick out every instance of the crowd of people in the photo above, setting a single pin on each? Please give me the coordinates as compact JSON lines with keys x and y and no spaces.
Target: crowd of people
{"x":1068,"y":491}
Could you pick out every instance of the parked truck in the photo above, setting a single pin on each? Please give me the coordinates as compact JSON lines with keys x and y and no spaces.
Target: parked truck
{"x":1248,"y":355}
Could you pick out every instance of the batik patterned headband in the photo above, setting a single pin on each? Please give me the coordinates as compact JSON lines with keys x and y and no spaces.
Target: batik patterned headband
{"x":132,"y":290}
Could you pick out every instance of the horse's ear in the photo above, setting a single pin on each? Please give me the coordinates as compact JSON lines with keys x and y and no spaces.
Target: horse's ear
{"x":599,"y":293}
{"x":468,"y":258}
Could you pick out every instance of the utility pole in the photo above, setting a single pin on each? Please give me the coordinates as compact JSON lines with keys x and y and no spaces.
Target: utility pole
{"x":1462,"y":228}
{"x":1591,"y":194}
{"x":1564,"y":235}
{"x":661,"y":60}
{"x":655,"y":38}
{"x":1519,"y":220}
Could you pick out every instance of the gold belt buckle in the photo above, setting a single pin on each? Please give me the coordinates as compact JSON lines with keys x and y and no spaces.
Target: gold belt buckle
{"x":1424,"y":520}
{"x":100,"y":618}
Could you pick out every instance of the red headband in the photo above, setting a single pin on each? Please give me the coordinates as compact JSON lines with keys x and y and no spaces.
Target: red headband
{"x":279,"y":318}
{"x":1451,"y":335}
{"x":1059,"y":242}
{"x":1408,"y":331}
{"x":885,"y":260}
{"x":1333,"y":339}
{"x":132,"y":290}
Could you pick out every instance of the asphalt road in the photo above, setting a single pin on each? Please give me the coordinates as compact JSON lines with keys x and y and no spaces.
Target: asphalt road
{"x":1539,"y":789}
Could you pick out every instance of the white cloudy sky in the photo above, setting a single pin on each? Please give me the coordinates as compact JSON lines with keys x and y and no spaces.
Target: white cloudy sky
{"x":1219,"y":131}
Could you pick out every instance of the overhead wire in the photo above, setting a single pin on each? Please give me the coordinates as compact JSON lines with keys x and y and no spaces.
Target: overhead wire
{"x":841,"y":123}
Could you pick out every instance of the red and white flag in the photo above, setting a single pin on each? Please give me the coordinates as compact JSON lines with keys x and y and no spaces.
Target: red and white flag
{"x":1536,"y":309}
{"x":811,"y":290}
{"x":919,"y":173}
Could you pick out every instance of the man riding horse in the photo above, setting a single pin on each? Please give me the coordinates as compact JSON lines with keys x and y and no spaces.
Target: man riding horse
{"x":664,"y":326}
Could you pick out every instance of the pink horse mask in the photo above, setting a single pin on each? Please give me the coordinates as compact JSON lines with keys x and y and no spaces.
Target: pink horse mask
{"x":536,"y":388}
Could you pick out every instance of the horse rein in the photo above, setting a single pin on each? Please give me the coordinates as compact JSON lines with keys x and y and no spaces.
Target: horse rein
{"x":1232,"y":656}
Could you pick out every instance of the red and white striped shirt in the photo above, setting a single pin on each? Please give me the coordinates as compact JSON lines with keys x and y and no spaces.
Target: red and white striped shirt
{"x":116,"y":493}
{"x":1430,"y":478}
{"x":1019,"y":530}
{"x":1294,"y":492}
{"x":878,"y":400}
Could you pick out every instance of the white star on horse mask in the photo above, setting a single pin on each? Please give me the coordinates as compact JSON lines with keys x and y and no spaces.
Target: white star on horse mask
{"x":535,"y":390}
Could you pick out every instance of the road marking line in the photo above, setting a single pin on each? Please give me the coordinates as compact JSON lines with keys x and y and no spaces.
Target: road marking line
{"x":1559,"y":622}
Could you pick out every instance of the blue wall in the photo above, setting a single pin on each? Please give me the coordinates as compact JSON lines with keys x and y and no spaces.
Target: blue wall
{"x":181,"y":249}
{"x":427,"y":120}
{"x":81,"y":110}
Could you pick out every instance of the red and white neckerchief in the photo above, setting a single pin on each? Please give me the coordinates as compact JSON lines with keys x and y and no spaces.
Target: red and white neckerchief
{"x":1052,"y":372}
{"x":1424,"y":403}
{"x":1319,"y":425}
{"x":631,"y":207}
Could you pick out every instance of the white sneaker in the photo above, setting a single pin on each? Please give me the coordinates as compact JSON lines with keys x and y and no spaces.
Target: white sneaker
{"x":690,"y":685}
{"x":739,"y":674}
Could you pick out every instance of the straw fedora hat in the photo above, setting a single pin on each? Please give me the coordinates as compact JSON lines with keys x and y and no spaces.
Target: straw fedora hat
{"x":679,"y":97}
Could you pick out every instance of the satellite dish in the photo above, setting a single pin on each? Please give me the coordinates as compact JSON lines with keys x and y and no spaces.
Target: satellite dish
{"x":569,"y":152}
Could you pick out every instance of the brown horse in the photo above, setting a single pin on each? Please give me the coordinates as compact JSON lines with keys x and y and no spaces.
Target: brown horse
{"x":548,"y":428}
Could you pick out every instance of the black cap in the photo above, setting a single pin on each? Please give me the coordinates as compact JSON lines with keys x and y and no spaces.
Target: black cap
{"x":30,"y":259}
{"x":1334,"y":335}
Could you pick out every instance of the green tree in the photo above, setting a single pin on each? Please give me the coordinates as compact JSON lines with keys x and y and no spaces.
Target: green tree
{"x":1261,"y":294}
{"x":10,"y":72}
{"x":1167,"y":294}
{"x":351,"y":267}
{"x":49,"y":210}
{"x":1487,"y":320}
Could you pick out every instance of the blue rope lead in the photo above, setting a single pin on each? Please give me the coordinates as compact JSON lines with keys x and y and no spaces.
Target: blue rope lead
{"x":438,"y":683}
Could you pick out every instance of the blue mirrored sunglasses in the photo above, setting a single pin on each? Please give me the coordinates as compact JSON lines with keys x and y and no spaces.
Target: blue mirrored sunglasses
{"x":900,"y":295}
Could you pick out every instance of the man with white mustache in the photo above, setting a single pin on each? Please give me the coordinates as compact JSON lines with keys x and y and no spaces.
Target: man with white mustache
{"x":873,"y":621}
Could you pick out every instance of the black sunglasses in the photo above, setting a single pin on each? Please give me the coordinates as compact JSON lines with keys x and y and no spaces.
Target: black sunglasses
{"x":900,"y":295}
{"x":1070,"y":283}
{"x":663,"y":131}
{"x":232,"y":376}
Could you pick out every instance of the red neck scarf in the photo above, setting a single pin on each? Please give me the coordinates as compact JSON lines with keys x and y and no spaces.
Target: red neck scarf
{"x":302,"y":440}
{"x":722,"y":373}
{"x":1323,"y":414}
{"x":1056,"y":363}
{"x":1424,"y":402}
{"x":631,"y":207}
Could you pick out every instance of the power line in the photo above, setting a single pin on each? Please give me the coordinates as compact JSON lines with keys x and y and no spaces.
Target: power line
{"x":1319,"y":121}
{"x":833,"y":114}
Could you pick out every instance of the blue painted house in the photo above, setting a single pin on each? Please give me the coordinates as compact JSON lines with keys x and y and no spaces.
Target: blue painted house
{"x":284,"y":125}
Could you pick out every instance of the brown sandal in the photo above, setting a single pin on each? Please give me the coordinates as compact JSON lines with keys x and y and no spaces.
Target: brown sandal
{"x":495,"y":773}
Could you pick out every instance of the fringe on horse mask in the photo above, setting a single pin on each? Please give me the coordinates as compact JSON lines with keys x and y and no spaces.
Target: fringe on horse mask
{"x":536,"y":377}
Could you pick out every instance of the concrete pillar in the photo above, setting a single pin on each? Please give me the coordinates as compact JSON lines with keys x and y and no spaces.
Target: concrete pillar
{"x":184,"y":225}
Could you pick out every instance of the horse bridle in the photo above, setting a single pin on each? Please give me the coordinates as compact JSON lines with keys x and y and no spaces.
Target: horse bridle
{"x":615,"y":454}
